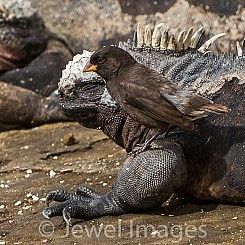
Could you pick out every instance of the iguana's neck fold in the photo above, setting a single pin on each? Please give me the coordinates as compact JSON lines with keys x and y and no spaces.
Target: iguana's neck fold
{"x":124,"y":131}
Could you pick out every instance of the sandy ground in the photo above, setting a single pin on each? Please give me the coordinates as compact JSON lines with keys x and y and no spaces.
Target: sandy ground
{"x":35,"y":161}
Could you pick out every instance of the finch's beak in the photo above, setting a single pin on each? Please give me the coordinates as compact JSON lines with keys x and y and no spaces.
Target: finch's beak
{"x":89,"y":67}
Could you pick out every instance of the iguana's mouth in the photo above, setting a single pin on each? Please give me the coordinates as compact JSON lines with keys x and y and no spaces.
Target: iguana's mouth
{"x":86,"y":117}
{"x":81,"y":99}
{"x":9,"y":61}
{"x":79,"y":112}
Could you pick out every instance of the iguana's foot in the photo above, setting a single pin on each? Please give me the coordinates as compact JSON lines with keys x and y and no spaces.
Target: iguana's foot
{"x":145,"y":181}
{"x":83,"y":204}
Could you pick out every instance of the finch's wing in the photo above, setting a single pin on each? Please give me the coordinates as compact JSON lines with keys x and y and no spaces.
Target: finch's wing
{"x":152,"y":104}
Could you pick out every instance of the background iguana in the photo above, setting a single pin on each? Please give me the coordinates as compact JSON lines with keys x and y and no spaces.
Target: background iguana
{"x":29,"y":70}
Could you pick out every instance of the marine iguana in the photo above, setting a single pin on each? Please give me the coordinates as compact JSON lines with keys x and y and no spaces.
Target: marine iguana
{"x":207,"y":163}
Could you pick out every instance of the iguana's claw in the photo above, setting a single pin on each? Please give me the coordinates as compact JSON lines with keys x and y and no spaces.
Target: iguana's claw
{"x":67,"y":215}
{"x":46,"y":213}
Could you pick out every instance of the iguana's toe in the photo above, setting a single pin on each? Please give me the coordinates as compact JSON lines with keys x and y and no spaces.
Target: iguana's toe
{"x":75,"y":207}
{"x":58,"y":196}
{"x":87,"y":192}
{"x":84,"y":204}
{"x":55,"y":210}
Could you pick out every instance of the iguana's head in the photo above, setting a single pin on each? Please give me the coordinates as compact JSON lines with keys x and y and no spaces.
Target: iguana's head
{"x":83,"y":96}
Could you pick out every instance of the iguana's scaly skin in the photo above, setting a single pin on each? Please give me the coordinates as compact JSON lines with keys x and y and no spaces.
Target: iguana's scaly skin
{"x":206,"y":163}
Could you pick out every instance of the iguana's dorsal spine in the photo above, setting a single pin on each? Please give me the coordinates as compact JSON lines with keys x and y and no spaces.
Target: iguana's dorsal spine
{"x":161,"y":40}
{"x":186,"y":58}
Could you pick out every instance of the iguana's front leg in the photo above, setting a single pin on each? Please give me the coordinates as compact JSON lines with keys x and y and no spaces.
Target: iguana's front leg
{"x":146,"y":180}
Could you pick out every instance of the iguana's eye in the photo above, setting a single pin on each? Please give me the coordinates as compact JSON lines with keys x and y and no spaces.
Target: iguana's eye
{"x":100,"y":60}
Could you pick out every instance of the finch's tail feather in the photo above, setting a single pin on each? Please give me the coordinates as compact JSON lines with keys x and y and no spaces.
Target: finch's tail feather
{"x":215,"y":108}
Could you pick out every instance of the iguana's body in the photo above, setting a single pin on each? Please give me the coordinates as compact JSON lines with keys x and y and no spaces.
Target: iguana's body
{"x":207,"y":163}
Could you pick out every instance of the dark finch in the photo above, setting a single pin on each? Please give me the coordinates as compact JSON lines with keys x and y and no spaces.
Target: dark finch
{"x":147,"y":96}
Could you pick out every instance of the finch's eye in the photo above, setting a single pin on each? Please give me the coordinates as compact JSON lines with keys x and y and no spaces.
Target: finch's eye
{"x":100,"y":60}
